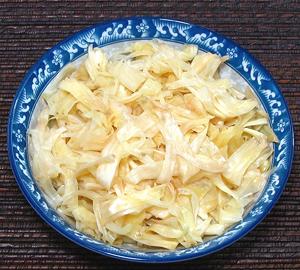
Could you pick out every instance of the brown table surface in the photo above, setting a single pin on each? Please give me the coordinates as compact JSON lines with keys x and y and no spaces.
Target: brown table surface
{"x":270,"y":30}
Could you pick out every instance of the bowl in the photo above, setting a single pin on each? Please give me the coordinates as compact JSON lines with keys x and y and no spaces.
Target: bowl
{"x":48,"y":67}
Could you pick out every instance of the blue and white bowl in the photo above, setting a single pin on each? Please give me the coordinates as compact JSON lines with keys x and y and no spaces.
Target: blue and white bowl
{"x":139,"y":28}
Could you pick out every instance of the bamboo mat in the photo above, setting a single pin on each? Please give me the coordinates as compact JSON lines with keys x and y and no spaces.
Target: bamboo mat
{"x":268,"y":29}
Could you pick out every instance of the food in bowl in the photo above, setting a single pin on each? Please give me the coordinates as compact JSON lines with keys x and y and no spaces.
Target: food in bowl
{"x":151,"y":146}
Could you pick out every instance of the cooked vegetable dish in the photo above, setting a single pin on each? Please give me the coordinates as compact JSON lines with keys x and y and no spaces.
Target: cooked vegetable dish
{"x":151,"y":146}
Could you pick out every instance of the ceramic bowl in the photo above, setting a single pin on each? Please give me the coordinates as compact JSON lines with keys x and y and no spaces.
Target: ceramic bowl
{"x":53,"y":61}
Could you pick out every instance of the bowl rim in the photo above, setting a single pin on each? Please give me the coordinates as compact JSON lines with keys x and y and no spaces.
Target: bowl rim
{"x":121,"y":254}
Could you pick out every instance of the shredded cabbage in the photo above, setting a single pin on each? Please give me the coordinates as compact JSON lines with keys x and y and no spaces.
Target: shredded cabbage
{"x":151,"y":146}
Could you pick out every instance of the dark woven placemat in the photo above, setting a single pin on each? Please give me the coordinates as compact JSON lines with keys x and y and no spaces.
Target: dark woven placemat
{"x":268,"y":29}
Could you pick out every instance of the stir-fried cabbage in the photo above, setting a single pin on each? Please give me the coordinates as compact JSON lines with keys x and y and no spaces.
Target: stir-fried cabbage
{"x":151,"y":146}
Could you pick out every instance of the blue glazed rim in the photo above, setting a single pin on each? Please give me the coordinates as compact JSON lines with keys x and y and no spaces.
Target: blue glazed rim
{"x":48,"y":66}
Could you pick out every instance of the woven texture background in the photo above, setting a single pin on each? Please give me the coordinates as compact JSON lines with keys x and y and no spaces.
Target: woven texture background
{"x":270,"y":30}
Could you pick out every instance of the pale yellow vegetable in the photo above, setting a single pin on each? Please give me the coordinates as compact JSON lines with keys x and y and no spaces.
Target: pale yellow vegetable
{"x":82,"y":93}
{"x":151,"y":146}
{"x":242,"y":158}
{"x":150,"y":170}
{"x":96,"y":62}
{"x":107,"y":171}
{"x":127,"y":75}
